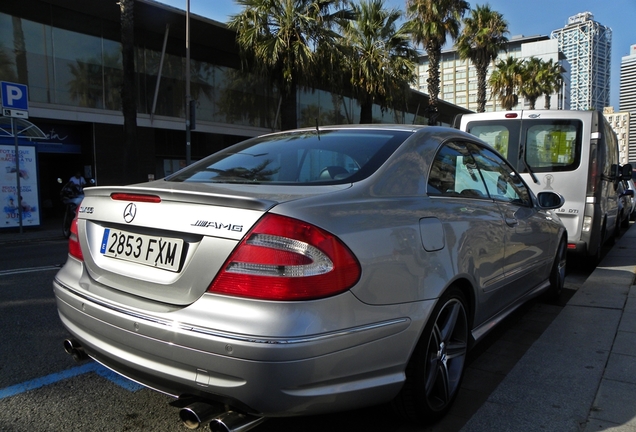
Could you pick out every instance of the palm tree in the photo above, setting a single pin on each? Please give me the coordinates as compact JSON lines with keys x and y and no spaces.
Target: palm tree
{"x":506,"y":80}
{"x":246,"y":98}
{"x":86,"y":85}
{"x":552,"y":80}
{"x":279,"y":40}
{"x":19,"y":48}
{"x":481,"y":40}
{"x":531,"y":86}
{"x":378,"y":57}
{"x":7,"y":69}
{"x":430,"y":22}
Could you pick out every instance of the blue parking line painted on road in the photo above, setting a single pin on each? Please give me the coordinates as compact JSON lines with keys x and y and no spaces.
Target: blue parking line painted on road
{"x":70,"y":373}
{"x":125,"y":383}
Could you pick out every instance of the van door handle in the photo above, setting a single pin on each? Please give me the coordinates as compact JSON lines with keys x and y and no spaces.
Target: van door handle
{"x":512,"y":222}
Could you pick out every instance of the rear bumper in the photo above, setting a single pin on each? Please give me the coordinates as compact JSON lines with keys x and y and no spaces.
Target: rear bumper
{"x":332,"y":371}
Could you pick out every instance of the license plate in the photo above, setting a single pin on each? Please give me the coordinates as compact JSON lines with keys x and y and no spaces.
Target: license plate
{"x":160,"y":252}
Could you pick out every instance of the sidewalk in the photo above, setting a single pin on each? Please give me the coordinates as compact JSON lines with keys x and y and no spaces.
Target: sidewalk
{"x":49,"y":229}
{"x":580,"y":375}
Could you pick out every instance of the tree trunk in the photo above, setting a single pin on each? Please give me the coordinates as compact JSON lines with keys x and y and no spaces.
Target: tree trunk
{"x":288,"y":114}
{"x":130,"y":160}
{"x":366,"y":112}
{"x":481,"y":87}
{"x":434,"y":56}
{"x":20,"y":51}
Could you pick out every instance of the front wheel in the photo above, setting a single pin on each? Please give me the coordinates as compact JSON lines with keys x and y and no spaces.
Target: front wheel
{"x":436,"y":368}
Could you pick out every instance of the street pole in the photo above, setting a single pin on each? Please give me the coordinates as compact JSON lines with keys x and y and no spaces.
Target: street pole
{"x":17,"y":171}
{"x":188,"y":97}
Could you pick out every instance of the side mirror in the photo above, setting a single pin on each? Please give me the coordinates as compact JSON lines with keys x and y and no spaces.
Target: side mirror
{"x":549,"y":200}
{"x":629,"y":192}
{"x":626,"y":172}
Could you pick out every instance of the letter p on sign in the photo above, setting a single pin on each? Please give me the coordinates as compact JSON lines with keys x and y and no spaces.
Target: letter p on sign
{"x":14,"y":96}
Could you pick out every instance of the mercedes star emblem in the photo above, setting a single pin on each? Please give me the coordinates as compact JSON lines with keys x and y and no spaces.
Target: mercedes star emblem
{"x":129,"y":212}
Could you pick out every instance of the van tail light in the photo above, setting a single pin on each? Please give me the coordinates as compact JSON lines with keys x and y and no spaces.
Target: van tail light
{"x":286,"y":259}
{"x":74,"y":248}
{"x":595,"y":170}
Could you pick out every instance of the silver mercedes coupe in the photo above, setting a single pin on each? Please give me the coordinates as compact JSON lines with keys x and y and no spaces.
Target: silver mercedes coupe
{"x":309,"y":271}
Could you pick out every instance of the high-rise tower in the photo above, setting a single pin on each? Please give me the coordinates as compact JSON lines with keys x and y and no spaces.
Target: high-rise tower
{"x":587,"y":45}
{"x":627,"y":98}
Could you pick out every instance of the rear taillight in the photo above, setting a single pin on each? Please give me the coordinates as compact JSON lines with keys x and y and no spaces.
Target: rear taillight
{"x":287,"y":259}
{"x":74,"y":248}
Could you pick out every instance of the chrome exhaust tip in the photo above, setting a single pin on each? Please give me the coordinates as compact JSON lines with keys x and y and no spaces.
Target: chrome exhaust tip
{"x":199,"y":413}
{"x":74,"y":348}
{"x":231,"y":421}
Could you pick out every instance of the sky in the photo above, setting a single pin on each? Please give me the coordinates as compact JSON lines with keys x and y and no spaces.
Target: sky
{"x":528,"y":18}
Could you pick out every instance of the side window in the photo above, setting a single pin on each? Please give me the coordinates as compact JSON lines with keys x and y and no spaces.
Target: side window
{"x":503,"y":183}
{"x":454,"y":173}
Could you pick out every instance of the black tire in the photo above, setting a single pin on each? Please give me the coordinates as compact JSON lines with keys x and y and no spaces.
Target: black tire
{"x":557,"y":274}
{"x":625,"y":221}
{"x":592,"y":260}
{"x":66,"y":223}
{"x":617,"y":231}
{"x":436,"y":368}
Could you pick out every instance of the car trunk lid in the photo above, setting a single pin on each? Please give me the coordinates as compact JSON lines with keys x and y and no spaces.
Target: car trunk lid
{"x":167,"y":244}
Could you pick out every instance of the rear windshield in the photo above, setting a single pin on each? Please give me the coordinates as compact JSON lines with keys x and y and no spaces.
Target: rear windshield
{"x":550,"y":145}
{"x":308,"y":157}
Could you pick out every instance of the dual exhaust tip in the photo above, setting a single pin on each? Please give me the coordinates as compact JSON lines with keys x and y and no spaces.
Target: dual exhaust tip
{"x":73,"y":347}
{"x":197,"y":414}
{"x":217,"y":418}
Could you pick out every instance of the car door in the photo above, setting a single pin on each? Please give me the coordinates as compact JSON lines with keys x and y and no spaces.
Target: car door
{"x":472,"y":220}
{"x":528,"y":232}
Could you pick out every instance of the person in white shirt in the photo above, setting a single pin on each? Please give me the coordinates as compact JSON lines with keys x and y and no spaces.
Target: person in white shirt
{"x":78,"y":180}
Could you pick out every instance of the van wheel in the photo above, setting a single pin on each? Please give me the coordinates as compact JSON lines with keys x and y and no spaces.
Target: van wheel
{"x":436,"y":368}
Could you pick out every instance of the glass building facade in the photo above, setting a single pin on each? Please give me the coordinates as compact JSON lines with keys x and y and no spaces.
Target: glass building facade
{"x":82,"y":67}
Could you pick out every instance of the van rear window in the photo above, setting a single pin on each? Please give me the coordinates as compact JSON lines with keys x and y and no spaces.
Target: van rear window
{"x":497,"y":135}
{"x":550,"y":145}
{"x":553,"y":145}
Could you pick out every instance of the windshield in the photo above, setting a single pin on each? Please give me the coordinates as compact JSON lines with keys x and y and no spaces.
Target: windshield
{"x":308,"y":157}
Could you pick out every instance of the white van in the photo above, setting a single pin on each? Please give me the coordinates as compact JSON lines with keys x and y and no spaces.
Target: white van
{"x":574,"y":153}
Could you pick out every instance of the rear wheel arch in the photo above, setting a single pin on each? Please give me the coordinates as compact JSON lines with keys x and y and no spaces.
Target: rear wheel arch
{"x":469,"y":294}
{"x":436,"y":366}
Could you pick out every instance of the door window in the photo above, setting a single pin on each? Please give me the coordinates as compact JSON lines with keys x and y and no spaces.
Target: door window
{"x":454,"y":173}
{"x":502,"y":182}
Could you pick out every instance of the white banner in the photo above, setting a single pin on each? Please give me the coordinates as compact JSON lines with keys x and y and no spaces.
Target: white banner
{"x":28,"y":187}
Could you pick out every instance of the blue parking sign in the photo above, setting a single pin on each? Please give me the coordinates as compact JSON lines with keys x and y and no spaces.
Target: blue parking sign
{"x":14,"y":96}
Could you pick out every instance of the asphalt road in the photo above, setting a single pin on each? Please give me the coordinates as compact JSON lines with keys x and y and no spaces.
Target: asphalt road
{"x":43,"y":389}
